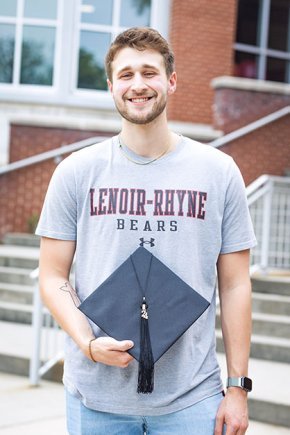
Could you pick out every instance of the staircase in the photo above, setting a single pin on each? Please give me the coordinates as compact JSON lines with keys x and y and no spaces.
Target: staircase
{"x":19,"y":255}
{"x":270,"y":353}
{"x":18,"y":258}
{"x":270,"y":349}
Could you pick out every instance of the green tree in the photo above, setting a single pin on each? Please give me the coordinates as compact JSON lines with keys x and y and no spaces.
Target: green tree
{"x":35,"y":68}
{"x":6,"y":59}
{"x":91,"y":74}
{"x":141,"y":5}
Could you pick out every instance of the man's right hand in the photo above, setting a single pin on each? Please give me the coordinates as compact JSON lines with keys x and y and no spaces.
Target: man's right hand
{"x":112,"y":352}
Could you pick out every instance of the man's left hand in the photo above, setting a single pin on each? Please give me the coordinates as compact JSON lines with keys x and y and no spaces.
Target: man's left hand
{"x":233,"y":412}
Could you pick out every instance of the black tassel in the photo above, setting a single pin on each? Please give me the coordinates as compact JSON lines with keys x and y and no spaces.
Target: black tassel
{"x":146,"y":362}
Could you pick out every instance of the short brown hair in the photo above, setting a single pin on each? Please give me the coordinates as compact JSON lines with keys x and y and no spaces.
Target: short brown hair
{"x":140,"y":38}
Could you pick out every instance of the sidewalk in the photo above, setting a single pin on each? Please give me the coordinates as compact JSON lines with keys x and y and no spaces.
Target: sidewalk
{"x":41,"y":411}
{"x":31,"y":411}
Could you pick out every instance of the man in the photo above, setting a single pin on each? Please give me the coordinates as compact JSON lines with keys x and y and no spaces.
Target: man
{"x":184,"y":202}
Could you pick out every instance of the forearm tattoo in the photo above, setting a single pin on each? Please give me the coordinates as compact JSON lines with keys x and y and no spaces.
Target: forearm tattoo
{"x":69,"y":289}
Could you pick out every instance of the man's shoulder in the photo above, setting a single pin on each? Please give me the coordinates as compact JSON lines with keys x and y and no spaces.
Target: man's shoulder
{"x":99,"y":149}
{"x":207,"y":151}
{"x":90,"y":155}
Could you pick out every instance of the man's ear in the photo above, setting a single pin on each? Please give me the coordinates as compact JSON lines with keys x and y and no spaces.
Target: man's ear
{"x":110,"y":85}
{"x":172,"y":83}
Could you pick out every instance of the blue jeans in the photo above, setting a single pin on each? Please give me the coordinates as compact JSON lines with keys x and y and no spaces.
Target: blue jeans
{"x":198,"y":419}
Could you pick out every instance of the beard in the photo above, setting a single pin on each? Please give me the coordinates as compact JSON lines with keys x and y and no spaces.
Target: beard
{"x":142,"y":118}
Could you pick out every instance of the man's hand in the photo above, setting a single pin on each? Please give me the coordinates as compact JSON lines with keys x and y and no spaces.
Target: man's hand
{"x":109,"y":351}
{"x":233,"y":412}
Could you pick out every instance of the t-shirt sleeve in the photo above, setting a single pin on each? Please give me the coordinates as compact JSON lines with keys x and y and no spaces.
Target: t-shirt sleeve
{"x":58,"y":218}
{"x":237,"y":228}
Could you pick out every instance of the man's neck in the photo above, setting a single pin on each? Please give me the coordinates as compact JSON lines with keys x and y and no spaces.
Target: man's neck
{"x":148,"y":140}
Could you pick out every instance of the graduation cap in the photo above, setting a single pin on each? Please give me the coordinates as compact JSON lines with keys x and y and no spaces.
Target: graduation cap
{"x":146,"y":302}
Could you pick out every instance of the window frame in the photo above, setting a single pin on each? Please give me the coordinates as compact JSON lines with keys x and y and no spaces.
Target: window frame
{"x":19,"y":21}
{"x":261,"y":50}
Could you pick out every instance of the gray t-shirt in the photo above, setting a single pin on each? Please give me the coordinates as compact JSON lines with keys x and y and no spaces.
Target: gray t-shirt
{"x":186,"y":208}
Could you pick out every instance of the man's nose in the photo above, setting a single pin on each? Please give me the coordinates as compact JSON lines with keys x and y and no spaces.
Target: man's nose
{"x":138,"y":83}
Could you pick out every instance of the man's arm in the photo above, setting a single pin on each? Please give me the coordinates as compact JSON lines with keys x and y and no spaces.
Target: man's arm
{"x":56,"y":257}
{"x":235,"y":304}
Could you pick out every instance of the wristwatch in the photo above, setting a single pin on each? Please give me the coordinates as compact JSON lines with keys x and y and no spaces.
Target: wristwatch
{"x":242,"y":382}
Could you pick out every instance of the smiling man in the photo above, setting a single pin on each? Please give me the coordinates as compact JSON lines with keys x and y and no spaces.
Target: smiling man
{"x":183,"y":201}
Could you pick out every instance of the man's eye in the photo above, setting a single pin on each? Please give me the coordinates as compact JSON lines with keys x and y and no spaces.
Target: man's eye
{"x":149,"y":74}
{"x":126,"y":76}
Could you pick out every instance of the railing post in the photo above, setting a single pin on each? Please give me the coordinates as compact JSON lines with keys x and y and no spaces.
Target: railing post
{"x":266,"y":229}
{"x":37,"y":320}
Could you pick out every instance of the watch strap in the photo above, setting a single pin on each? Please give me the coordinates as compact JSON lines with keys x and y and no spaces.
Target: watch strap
{"x":240,"y":382}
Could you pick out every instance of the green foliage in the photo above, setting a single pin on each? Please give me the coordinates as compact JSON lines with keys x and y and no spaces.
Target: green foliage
{"x":6,"y":59}
{"x":141,"y":5}
{"x":32,"y":222}
{"x":91,"y":74}
{"x":34,"y":67}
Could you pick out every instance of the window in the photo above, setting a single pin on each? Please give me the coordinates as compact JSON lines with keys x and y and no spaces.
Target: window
{"x":100,"y":22}
{"x":262,"y":48}
{"x":27,"y":42}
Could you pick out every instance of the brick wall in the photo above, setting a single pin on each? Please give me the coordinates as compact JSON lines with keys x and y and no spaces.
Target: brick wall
{"x":22,"y":192}
{"x":21,"y":195}
{"x":264,"y":151}
{"x":234,"y":108}
{"x":28,"y":141}
{"x":202,"y":34}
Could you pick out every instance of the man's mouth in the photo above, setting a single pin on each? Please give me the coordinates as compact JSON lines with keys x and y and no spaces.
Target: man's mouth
{"x":139,"y":99}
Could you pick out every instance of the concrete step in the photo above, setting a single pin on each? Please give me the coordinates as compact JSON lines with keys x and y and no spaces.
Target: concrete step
{"x":15,"y":275}
{"x":273,"y":284}
{"x":271,"y":303}
{"x":21,"y":239}
{"x":264,"y":347}
{"x":257,"y":428}
{"x":19,"y":256}
{"x":273,"y":325}
{"x":21,"y":313}
{"x":16,"y":347}
{"x":22,"y":294}
{"x":269,"y":402}
{"x":14,"y":312}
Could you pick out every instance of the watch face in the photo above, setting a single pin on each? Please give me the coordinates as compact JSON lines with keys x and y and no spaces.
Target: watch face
{"x":247,"y":384}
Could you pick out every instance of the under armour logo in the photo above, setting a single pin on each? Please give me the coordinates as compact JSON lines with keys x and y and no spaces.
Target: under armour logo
{"x":151,"y":241}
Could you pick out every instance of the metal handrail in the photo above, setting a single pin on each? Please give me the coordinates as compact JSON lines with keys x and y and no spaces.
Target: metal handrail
{"x":249,"y":128}
{"x":36,"y":370}
{"x":269,"y":204}
{"x":47,"y":155}
{"x":260,"y":181}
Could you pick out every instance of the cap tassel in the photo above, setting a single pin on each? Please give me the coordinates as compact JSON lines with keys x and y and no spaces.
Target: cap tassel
{"x":146,"y":362}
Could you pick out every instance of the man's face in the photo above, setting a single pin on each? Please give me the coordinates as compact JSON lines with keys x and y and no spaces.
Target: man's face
{"x":140,"y":85}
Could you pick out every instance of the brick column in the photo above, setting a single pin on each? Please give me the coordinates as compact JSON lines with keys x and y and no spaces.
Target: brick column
{"x":202,"y":34}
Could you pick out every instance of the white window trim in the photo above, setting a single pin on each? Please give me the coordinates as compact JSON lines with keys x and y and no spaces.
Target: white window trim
{"x":19,"y":22}
{"x":64,"y":92}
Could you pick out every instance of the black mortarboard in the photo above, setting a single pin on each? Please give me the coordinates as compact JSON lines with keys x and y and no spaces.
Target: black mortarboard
{"x":144,"y":301}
